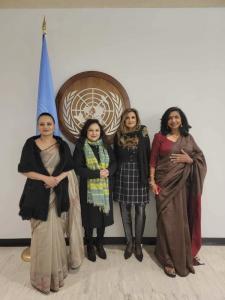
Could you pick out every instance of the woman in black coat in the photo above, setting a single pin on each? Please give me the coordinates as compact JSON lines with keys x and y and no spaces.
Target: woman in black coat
{"x":95,"y":163}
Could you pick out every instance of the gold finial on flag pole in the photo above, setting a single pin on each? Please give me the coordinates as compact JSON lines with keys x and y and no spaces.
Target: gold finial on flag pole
{"x":44,"y":28}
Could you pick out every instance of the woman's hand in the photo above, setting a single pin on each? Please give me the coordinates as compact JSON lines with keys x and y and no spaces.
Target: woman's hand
{"x":56,"y":179}
{"x":154,"y":187}
{"x":50,"y":182}
{"x":181,"y":158}
{"x":60,"y":178}
{"x":104,"y":173}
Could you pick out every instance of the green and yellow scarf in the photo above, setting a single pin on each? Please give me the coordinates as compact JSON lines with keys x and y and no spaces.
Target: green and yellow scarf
{"x":97,"y":188}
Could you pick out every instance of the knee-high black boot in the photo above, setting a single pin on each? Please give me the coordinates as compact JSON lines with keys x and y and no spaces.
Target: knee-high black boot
{"x":139,"y":229}
{"x":125,"y":210}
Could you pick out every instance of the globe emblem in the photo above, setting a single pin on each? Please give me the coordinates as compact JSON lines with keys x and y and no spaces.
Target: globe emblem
{"x":92,"y":103}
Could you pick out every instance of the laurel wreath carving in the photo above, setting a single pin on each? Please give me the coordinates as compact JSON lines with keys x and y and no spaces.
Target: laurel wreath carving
{"x":66,"y":113}
{"x":117,"y":104}
{"x":118,"y":112}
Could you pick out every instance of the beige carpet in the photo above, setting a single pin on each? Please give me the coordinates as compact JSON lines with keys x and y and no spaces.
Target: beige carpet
{"x":118,"y":279}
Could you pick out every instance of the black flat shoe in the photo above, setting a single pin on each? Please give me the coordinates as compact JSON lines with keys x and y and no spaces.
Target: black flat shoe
{"x":169,"y":271}
{"x":128,"y":251}
{"x":101,"y":251}
{"x":91,"y":253}
{"x":138,"y":252}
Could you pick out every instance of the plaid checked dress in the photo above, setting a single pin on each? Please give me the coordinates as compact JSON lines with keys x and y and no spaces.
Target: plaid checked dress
{"x":128,"y":186}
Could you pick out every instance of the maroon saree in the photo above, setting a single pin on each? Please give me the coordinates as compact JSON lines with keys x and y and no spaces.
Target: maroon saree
{"x":179,"y":205}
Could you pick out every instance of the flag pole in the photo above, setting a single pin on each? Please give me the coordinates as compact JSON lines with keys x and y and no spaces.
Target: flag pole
{"x":25,"y":255}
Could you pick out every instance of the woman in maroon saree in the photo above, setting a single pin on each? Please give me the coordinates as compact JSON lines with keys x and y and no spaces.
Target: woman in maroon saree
{"x":177,"y":171}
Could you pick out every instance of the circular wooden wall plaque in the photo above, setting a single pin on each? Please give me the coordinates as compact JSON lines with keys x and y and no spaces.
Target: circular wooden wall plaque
{"x":90,"y":95}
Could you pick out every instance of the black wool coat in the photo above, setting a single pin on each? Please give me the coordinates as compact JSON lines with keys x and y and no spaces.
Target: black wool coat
{"x":92,"y":217}
{"x":34,"y":202}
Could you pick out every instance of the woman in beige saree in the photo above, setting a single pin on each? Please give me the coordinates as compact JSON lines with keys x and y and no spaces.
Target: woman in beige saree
{"x":50,"y":200}
{"x":177,"y":171}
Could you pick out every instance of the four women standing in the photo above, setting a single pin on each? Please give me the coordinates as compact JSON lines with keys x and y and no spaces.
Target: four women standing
{"x":51,"y":202}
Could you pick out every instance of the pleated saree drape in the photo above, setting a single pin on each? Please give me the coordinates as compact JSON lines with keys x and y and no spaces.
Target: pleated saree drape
{"x":50,"y":259}
{"x":179,"y":207}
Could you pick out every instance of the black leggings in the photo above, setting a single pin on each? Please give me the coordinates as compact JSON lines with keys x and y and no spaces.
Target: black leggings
{"x":140,"y":217}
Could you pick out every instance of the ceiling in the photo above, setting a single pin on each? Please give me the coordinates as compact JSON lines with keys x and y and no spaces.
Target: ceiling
{"x":109,"y":3}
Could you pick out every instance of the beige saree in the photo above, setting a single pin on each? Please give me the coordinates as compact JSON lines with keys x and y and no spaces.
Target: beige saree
{"x":50,"y":260}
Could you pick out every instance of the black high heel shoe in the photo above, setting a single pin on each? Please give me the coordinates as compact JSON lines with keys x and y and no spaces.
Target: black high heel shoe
{"x":128,"y":250}
{"x":138,"y":252}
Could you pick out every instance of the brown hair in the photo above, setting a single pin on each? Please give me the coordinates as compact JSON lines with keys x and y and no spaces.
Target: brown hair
{"x":122,"y":128}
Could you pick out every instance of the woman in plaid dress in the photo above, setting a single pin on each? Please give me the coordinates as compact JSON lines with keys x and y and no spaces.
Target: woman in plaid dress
{"x":132,"y":150}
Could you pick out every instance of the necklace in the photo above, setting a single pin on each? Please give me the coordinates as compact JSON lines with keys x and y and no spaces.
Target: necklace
{"x":173,"y":137}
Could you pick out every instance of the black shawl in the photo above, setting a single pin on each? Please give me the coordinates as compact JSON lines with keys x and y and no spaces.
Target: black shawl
{"x":34,"y":202}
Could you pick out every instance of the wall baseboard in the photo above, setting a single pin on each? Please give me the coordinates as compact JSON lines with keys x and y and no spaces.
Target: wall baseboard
{"x":111,"y":241}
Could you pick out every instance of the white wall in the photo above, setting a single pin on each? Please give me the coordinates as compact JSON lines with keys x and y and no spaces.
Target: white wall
{"x":163,"y":57}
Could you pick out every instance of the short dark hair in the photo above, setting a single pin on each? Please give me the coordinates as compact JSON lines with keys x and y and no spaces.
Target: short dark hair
{"x":87,"y":124}
{"x":184,"y":129}
{"x":46,"y":114}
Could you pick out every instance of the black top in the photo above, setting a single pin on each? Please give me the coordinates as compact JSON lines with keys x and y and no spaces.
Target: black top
{"x":127,"y":154}
{"x":34,"y":202}
{"x":139,"y":153}
{"x":95,"y":149}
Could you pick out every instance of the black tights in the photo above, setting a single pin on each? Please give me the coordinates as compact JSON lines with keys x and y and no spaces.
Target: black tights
{"x":140,"y":217}
{"x":89,"y":235}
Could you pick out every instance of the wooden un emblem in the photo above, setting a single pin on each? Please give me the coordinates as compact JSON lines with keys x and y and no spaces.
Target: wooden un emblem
{"x":90,"y":95}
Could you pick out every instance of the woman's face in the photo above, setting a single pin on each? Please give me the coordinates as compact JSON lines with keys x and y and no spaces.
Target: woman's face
{"x":131,"y":120}
{"x":174,"y":120}
{"x":93,"y":132}
{"x":46,"y":125}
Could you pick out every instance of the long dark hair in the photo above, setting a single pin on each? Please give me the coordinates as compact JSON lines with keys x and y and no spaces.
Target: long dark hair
{"x":185,"y":126}
{"x":87,"y":124}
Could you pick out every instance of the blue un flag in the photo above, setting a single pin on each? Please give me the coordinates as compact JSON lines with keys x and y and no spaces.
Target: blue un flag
{"x":46,"y":95}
